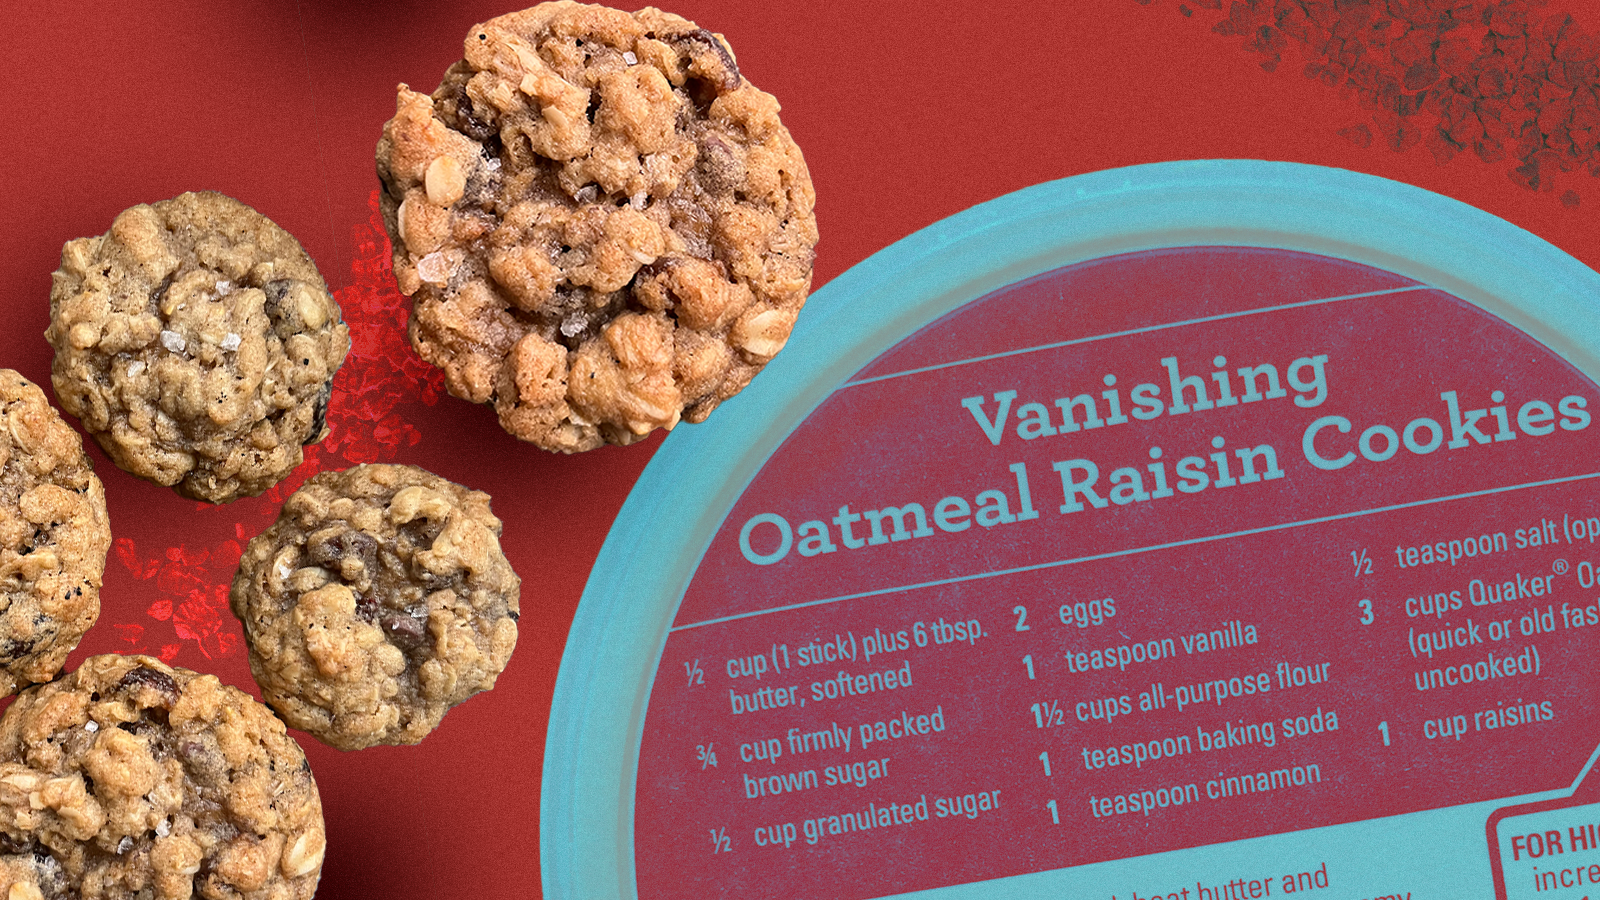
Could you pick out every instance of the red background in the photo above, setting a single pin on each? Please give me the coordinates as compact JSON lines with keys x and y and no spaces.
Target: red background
{"x":907,"y":113}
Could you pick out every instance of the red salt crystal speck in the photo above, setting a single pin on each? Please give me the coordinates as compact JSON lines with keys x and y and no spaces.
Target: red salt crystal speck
{"x":366,"y":424}
{"x":122,"y":548}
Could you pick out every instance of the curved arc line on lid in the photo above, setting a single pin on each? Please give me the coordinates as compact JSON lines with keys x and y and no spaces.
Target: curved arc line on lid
{"x":1056,"y":345}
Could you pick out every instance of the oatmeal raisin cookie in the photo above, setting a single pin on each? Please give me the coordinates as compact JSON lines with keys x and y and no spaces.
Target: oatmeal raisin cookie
{"x":378,"y":600}
{"x":603,"y":226}
{"x":197,"y":343}
{"x":129,"y":778}
{"x":54,"y":534}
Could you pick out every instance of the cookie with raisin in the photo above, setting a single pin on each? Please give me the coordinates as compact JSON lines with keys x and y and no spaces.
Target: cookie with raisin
{"x":197,"y":343}
{"x":378,"y":600}
{"x":131,"y":778}
{"x":603,"y":226}
{"x":54,"y":535}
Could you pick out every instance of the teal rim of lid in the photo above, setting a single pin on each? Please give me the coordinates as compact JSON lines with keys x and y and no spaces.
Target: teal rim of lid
{"x":608,"y":668}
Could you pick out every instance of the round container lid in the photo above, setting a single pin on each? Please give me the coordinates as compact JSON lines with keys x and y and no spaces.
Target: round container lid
{"x":1191,"y":530}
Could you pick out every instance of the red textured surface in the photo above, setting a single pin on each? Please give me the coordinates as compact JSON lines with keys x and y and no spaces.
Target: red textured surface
{"x":907,"y":114}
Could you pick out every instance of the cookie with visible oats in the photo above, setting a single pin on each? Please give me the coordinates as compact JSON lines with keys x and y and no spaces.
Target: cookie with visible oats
{"x":130,"y":778}
{"x":197,"y":343}
{"x":378,"y":600}
{"x":603,"y":226}
{"x":54,"y":534}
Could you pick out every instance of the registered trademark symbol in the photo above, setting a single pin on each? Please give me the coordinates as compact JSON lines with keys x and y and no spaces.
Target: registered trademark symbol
{"x":1559,"y":567}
